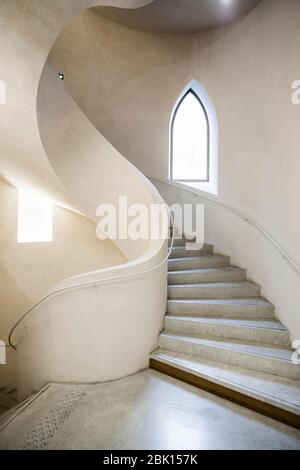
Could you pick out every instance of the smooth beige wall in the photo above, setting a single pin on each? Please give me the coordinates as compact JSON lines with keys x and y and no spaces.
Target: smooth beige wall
{"x":28,"y":270}
{"x":127,"y":82}
{"x":28,"y":29}
{"x":248,"y":70}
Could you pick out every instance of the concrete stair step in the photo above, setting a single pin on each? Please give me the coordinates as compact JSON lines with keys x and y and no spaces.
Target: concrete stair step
{"x":7,"y":399}
{"x":7,"y":402}
{"x":226,"y":308}
{"x":274,"y":396}
{"x":268,"y":359}
{"x":259,"y":331}
{"x":223,"y":290}
{"x":183,"y":252}
{"x":196,"y":262}
{"x":5,"y":415}
{"x":9,"y":413}
{"x":181,"y":241}
{"x":190,"y":276}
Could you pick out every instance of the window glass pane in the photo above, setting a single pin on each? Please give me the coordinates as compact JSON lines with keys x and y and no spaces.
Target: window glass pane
{"x":35,"y":218}
{"x":190,"y":141}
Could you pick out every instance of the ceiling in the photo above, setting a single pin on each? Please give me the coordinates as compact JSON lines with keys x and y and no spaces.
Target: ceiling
{"x":179,"y":16}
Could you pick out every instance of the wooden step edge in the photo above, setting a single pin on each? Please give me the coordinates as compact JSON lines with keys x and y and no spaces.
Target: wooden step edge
{"x":254,"y":404}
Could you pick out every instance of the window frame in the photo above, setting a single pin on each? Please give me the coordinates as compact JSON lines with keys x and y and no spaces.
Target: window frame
{"x":206,"y":180}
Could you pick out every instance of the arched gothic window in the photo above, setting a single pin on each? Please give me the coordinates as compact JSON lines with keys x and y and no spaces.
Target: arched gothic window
{"x":190,"y":140}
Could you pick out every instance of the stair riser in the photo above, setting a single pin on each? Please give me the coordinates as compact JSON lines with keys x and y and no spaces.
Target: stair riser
{"x":221,"y":276}
{"x":181,"y":252}
{"x":179,"y":242}
{"x":256,"y":335}
{"x":236,"y":358}
{"x":276,"y":405}
{"x":204,"y":292}
{"x":223,"y":311}
{"x":6,"y":401}
{"x":196,"y":263}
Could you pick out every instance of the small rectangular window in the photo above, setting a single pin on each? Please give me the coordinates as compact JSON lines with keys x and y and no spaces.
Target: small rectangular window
{"x":35,"y":218}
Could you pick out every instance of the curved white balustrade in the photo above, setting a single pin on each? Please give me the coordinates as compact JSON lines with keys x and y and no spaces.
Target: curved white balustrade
{"x":107,"y":329}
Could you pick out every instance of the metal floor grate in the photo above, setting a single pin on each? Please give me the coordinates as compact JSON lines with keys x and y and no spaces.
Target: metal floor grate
{"x":44,"y":430}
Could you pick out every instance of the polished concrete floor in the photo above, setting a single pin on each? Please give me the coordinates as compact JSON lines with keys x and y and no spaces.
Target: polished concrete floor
{"x":145,"y":411}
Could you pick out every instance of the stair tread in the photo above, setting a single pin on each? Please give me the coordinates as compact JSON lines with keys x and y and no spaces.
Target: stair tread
{"x":221,"y":284}
{"x":182,"y":247}
{"x":197,"y":261}
{"x":245,"y":323}
{"x":187,"y":258}
{"x":255,"y":301}
{"x":180,"y":241}
{"x":274,"y":352}
{"x":281,"y":392}
{"x":206,"y":270}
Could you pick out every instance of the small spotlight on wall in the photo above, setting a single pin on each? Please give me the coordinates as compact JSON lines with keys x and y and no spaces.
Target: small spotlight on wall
{"x":61,"y":76}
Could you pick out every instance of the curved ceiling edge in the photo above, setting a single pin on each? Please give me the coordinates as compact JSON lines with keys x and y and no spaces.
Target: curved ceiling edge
{"x":179,"y":16}
{"x":25,"y":48}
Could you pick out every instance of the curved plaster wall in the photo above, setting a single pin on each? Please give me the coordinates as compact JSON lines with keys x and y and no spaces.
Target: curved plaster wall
{"x":93,"y":171}
{"x":248,"y":69}
{"x":27,"y":33}
{"x":118,"y":323}
{"x":248,"y":248}
{"x":28,"y":269}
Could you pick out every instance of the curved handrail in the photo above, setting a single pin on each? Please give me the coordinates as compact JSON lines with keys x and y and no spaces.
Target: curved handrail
{"x":252,"y":222}
{"x":91,"y":284}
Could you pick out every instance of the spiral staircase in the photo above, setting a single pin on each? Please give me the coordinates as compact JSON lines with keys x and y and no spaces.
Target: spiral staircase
{"x":222,"y":336}
{"x":219,"y":333}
